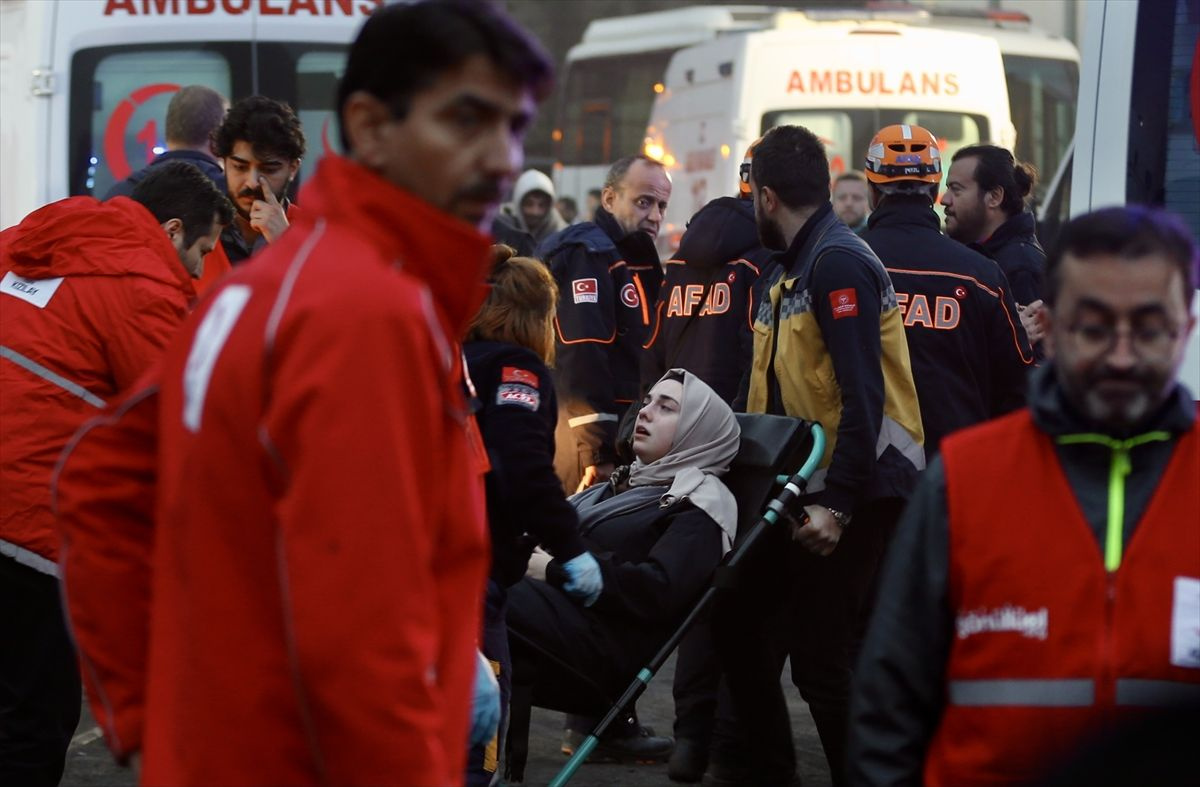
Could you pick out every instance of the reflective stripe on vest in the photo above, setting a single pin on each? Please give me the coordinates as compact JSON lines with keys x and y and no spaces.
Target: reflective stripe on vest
{"x":1156,"y":693}
{"x":32,"y":366}
{"x":1061,"y":693}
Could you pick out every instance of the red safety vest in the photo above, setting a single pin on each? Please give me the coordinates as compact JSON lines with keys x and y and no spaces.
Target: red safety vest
{"x":1049,"y":648}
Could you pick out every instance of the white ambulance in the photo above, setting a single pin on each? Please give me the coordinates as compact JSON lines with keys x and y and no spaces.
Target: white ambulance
{"x":843,"y":79}
{"x":1137,"y":137}
{"x":84,"y":84}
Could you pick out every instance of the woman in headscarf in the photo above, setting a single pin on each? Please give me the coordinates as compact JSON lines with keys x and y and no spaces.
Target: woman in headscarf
{"x":658,"y":529}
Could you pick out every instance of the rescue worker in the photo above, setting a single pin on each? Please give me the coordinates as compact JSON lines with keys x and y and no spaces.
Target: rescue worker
{"x":327,"y":631}
{"x":532,"y":208}
{"x":829,"y":346}
{"x":507,"y":347}
{"x":193,"y":114}
{"x":608,"y":276}
{"x":91,"y":292}
{"x":1054,"y":596}
{"x":260,"y":144}
{"x":702,"y":318}
{"x":984,"y":203}
{"x":702,"y":324}
{"x":969,"y":353}
{"x":851,"y":200}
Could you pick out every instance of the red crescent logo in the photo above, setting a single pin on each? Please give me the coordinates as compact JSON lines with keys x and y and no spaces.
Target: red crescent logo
{"x":118,"y":123}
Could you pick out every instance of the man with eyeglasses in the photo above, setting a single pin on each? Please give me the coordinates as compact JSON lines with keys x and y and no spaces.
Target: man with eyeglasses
{"x":1043,"y":587}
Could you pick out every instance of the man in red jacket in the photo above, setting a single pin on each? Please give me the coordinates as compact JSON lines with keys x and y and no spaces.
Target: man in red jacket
{"x":275,"y":550}
{"x":89,"y":296}
{"x":1043,"y":586}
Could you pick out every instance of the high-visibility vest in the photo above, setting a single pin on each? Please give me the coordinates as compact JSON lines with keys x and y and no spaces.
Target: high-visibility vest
{"x":1050,"y":646}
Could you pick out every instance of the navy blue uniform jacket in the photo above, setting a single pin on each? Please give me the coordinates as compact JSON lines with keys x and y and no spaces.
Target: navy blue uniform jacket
{"x":516,"y":416}
{"x":705,"y":311}
{"x":607,"y":284}
{"x":968,"y":350}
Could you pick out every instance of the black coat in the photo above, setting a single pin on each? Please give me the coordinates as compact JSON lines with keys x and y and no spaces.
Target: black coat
{"x":1015,"y":248}
{"x":655,"y":561}
{"x":712,"y":337}
{"x":517,"y":413}
{"x":969,"y":353}
{"x":205,"y":164}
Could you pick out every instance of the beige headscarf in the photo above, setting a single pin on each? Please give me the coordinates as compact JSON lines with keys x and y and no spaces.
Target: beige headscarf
{"x":706,"y":440}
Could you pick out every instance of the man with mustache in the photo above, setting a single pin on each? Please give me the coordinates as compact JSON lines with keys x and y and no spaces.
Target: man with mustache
{"x":260,"y":144}
{"x":1044,"y":583}
{"x":277,"y":547}
{"x":608,"y":276}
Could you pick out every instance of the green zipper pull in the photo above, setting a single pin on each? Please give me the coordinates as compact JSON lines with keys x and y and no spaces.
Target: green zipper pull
{"x":1118,"y":470}
{"x":1115,"y":532}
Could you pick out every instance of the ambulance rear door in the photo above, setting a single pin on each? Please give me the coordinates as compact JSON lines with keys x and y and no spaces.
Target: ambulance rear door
{"x":120,"y":62}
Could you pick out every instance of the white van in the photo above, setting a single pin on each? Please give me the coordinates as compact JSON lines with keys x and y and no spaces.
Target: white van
{"x":84,"y":84}
{"x":843,"y":79}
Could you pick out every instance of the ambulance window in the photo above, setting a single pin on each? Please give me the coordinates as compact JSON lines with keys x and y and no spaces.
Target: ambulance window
{"x":847,"y":132}
{"x":1042,"y":95}
{"x":317,"y":75}
{"x":835,"y":130}
{"x":119,"y":107}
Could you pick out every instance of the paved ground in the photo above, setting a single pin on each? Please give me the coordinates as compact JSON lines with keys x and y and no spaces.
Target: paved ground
{"x":89,"y":764}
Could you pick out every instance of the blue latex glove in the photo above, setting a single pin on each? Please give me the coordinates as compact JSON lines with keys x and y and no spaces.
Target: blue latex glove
{"x":585,"y":581}
{"x":485,"y":704}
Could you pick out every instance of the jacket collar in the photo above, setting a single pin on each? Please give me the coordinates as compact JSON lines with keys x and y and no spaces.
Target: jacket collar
{"x":1017,"y":229}
{"x":807,"y":237}
{"x":446,"y":253}
{"x":1056,"y":416}
{"x":635,"y":247}
{"x":905,"y":212}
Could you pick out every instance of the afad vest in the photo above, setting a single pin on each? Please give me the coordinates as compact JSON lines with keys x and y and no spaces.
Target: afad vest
{"x":1049,"y":647}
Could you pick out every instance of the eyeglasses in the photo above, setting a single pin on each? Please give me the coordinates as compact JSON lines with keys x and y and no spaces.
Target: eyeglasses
{"x":1147,"y":341}
{"x":744,"y":172}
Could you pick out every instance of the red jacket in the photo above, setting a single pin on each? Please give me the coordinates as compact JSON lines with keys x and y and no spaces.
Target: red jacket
{"x":298,"y":600}
{"x":1050,"y":648}
{"x":91,"y":293}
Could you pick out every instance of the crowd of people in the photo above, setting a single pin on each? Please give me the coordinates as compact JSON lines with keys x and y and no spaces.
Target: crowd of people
{"x":324,"y":487}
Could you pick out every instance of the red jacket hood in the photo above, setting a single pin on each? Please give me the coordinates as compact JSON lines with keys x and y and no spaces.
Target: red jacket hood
{"x":81,"y":236}
{"x":448,"y":254}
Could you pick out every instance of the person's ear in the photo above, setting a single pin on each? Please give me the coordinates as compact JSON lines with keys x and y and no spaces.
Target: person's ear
{"x":292,"y":170}
{"x":608,"y":198}
{"x":173,"y":228}
{"x":366,"y":120}
{"x":993,"y":198}
{"x":769,"y":200}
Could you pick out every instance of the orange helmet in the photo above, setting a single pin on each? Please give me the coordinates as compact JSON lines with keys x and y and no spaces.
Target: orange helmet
{"x":744,"y":170}
{"x":903,"y":152}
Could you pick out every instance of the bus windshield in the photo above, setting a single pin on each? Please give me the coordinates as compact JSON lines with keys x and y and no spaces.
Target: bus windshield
{"x":606,"y":105}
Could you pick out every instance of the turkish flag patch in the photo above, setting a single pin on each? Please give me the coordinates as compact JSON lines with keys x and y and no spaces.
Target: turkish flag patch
{"x":844,"y":303}
{"x":513,"y":374}
{"x":585,"y":291}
